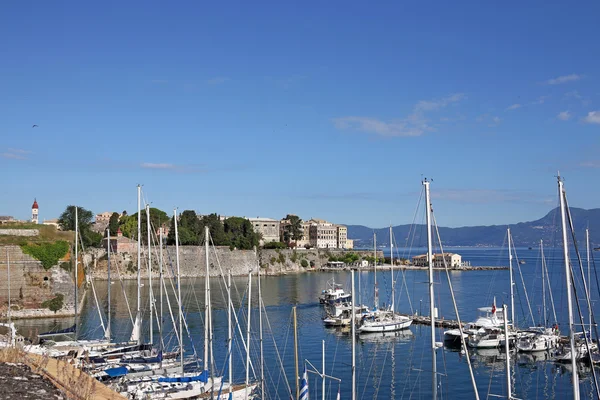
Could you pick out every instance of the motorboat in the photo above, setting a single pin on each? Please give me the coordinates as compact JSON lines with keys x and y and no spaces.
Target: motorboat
{"x":537,"y":339}
{"x":334,"y":294}
{"x":488,"y":318}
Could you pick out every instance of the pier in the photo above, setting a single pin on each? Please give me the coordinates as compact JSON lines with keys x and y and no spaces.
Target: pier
{"x":440,"y":322}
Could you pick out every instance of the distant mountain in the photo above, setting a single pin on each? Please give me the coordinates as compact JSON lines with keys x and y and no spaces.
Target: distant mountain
{"x":547,"y":228}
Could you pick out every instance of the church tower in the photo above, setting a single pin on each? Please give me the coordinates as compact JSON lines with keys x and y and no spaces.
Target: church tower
{"x":34,"y":212}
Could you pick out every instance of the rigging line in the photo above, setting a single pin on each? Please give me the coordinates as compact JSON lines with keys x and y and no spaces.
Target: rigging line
{"x":404,"y":284}
{"x":545,"y":265}
{"x":124,"y":292}
{"x":524,"y":287}
{"x":91,"y":281}
{"x":587,"y":343}
{"x":460,"y":327}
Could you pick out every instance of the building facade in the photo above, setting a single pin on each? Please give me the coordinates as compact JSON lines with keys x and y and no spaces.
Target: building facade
{"x":342,"y":236}
{"x":453,"y":260}
{"x":120,"y":244}
{"x":267,"y":227}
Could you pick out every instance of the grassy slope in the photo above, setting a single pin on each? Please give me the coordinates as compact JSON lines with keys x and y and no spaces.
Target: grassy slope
{"x":48,"y":233}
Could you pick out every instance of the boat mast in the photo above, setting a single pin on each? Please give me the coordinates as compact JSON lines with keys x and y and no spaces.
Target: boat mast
{"x":260,"y":330}
{"x":376,"y":295}
{"x":431,"y":293}
{"x":8,"y":312}
{"x":323,"y":382}
{"x":589,"y":281}
{"x":512,"y":281}
{"x":179,"y":291}
{"x":507,"y":350}
{"x":296,"y":351}
{"x":545,"y":324}
{"x":248,"y":331}
{"x":229,"y":338}
{"x":138,"y":317}
{"x":392,"y":269}
{"x":76,"y":267}
{"x":150,"y":294}
{"x":353,"y":322}
{"x":107,"y":333}
{"x":160,"y":280}
{"x":575,"y":379}
{"x":206,"y":300}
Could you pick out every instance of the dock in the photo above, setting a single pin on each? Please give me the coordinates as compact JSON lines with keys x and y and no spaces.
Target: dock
{"x":440,"y":322}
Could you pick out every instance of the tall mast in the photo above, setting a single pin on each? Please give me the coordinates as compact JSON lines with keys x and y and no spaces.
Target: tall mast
{"x":392,"y":269}
{"x":323,"y":381}
{"x":353,"y":324}
{"x":138,"y":317}
{"x":229,"y":338}
{"x":150,"y":294}
{"x":545,"y":324}
{"x":160,"y":280}
{"x":206,"y":300}
{"x":8,"y":273}
{"x":296,"y":352}
{"x":512,"y":281}
{"x":376,"y":295}
{"x":248,"y":332}
{"x":76,"y":267}
{"x":589,"y":277}
{"x":179,"y":291}
{"x":507,"y":350}
{"x":431,"y":294}
{"x":260,"y":330}
{"x":575,"y":379}
{"x":108,"y":327}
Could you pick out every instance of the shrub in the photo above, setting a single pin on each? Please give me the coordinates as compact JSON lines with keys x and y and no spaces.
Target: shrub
{"x":281,"y":259}
{"x":304,"y":263}
{"x":54,"y":304}
{"x":273,"y":260}
{"x":47,"y":253}
{"x":294,"y":256}
{"x":274,"y":245}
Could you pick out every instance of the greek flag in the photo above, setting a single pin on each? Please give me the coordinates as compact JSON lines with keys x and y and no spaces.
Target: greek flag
{"x":304,"y":386}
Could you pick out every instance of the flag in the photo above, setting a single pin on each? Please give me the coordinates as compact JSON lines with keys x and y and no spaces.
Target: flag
{"x":304,"y":386}
{"x":494,"y":306}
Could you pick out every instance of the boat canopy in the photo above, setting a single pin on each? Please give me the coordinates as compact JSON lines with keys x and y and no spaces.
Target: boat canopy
{"x":203,"y":377}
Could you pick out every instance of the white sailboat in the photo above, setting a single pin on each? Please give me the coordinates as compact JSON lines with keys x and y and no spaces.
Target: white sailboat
{"x":384,"y":320}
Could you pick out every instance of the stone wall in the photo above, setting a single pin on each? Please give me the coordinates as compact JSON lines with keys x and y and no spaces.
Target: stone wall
{"x":192,"y":261}
{"x":31,"y":285}
{"x":20,"y":232}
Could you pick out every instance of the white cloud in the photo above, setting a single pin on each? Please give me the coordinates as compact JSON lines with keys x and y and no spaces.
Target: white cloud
{"x":540,"y":100}
{"x":157,"y":166}
{"x":564,"y":79}
{"x":415,"y":124}
{"x":513,"y":107}
{"x":564,"y":115}
{"x":590,"y":164}
{"x":15,"y":154}
{"x":593,"y":117}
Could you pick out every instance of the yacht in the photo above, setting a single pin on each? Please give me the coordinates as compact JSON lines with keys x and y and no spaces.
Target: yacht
{"x":488,"y":318}
{"x":537,"y":339}
{"x":383,"y":321}
{"x":334,"y":294}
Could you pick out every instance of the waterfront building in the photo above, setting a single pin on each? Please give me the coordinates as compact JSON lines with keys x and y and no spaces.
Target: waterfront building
{"x":268,"y":228}
{"x":453,"y":260}
{"x":323,"y":234}
{"x":34,"y":212}
{"x":341,"y":236}
{"x":349,"y":244}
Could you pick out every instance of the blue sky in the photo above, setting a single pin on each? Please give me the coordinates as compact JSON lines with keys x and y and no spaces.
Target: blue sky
{"x":324,"y":109}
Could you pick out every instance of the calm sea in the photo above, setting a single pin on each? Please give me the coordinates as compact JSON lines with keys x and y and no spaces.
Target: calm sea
{"x":392,"y":366}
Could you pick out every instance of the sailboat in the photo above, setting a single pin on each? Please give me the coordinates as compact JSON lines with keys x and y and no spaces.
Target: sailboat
{"x":386,"y":319}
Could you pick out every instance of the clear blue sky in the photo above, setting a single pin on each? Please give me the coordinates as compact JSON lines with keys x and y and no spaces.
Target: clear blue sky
{"x":324,"y":109}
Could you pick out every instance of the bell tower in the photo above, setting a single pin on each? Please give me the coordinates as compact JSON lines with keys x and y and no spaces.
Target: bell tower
{"x":34,"y":212}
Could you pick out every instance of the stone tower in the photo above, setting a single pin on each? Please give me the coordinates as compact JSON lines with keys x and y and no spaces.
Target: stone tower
{"x":34,"y":212}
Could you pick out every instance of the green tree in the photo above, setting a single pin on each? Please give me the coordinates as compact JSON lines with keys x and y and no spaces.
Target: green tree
{"x":128,"y":223}
{"x":66,"y":221}
{"x":217,"y":230}
{"x":113,"y":224}
{"x":240,"y":233}
{"x":293,"y":230}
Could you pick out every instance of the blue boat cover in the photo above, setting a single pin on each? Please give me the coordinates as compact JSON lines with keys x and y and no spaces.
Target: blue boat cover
{"x":116,"y":372}
{"x":203,"y":377}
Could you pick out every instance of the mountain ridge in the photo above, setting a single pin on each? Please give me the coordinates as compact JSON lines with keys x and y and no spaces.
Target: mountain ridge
{"x":527,"y":233}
